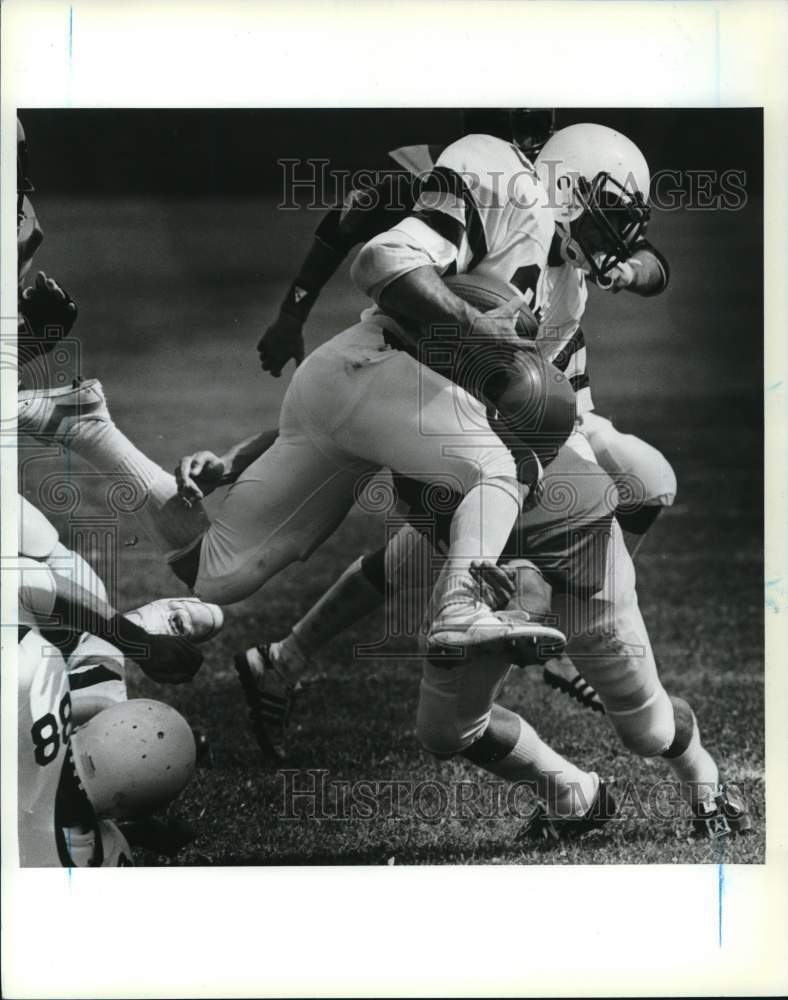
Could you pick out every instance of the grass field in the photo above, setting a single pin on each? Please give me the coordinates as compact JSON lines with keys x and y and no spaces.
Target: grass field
{"x":173,"y":296}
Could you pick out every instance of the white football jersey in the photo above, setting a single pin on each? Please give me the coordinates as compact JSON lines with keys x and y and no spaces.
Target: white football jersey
{"x":482,"y":210}
{"x":561,"y":292}
{"x":44,"y":720}
{"x":561,"y":302}
{"x":46,"y":779}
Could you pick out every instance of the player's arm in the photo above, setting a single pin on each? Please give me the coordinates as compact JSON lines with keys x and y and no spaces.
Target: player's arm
{"x":401,"y":270}
{"x":459,"y":208}
{"x":200,"y":473}
{"x":366,"y":213}
{"x":645,"y":273}
{"x":52,"y":601}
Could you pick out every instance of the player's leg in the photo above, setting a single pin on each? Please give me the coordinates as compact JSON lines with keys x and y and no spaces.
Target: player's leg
{"x":412,"y":420}
{"x":38,"y":539}
{"x":610,"y":643}
{"x":457,"y":714}
{"x":280,"y":509}
{"x":79,"y":419}
{"x":643,"y":476}
{"x":358,"y":591}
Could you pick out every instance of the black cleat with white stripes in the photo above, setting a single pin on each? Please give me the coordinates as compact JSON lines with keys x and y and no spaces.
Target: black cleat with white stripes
{"x":270,"y":701}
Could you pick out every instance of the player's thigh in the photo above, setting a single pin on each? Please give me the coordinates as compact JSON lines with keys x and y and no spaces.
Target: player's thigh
{"x":606,"y":635}
{"x":416,"y":422}
{"x":279,"y":510}
{"x":567,"y":533}
{"x":455,"y":702}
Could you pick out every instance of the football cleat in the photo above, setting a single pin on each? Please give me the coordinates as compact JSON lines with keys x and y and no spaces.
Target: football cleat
{"x":542,"y":828}
{"x":460,"y":627}
{"x":728,"y":815}
{"x":188,"y":617}
{"x":269,"y":698}
{"x":54,"y":414}
{"x":560,"y":674}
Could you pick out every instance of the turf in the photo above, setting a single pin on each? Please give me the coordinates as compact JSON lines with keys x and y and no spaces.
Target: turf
{"x":173,"y":296}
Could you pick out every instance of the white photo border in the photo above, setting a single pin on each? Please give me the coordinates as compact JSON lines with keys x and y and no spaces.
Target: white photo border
{"x":530,"y":930}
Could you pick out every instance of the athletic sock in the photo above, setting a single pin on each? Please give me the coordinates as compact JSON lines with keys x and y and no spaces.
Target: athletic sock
{"x":567,"y":790}
{"x":480,"y":529}
{"x":144,"y":488}
{"x":289,"y":658}
{"x":698,"y":773}
{"x":346,"y":601}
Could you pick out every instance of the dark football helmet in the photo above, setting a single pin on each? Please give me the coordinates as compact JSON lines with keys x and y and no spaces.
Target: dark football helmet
{"x":528,"y":128}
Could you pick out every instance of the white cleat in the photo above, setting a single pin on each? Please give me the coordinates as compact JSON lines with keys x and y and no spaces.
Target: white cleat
{"x":461,"y":628}
{"x":188,"y":617}
{"x":55,"y":414}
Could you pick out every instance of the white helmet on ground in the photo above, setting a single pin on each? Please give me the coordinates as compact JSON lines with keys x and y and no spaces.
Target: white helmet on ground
{"x":134,"y":758}
{"x":597,"y":181}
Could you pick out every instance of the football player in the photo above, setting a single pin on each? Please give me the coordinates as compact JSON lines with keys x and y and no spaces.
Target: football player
{"x":361,"y":404}
{"x":96,"y":661}
{"x":126,"y":761}
{"x":601,"y":212}
{"x":46,"y":314}
{"x":369,"y":212}
{"x":645,"y":479}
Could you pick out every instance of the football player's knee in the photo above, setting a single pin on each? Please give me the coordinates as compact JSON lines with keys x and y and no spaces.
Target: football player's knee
{"x":37,"y":537}
{"x":640,"y":470}
{"x":438,"y":736}
{"x":646,"y":473}
{"x":666,"y":484}
{"x":648,"y":730}
{"x":226,"y":577}
{"x":37,"y":588}
{"x":442,"y":733}
{"x":490,"y":465}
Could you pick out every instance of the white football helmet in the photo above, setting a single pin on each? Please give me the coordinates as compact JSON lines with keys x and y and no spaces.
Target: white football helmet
{"x":597,"y":183}
{"x":134,"y":758}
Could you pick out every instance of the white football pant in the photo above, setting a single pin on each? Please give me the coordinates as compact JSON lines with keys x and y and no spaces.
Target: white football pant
{"x":352,"y":407}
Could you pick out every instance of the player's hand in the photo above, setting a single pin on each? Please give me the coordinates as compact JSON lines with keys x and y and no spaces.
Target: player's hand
{"x":49,"y":313}
{"x":497,"y":583}
{"x":198,"y":475}
{"x":169,"y":659}
{"x":499,"y":325}
{"x":281,"y":342}
{"x":619,"y":277}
